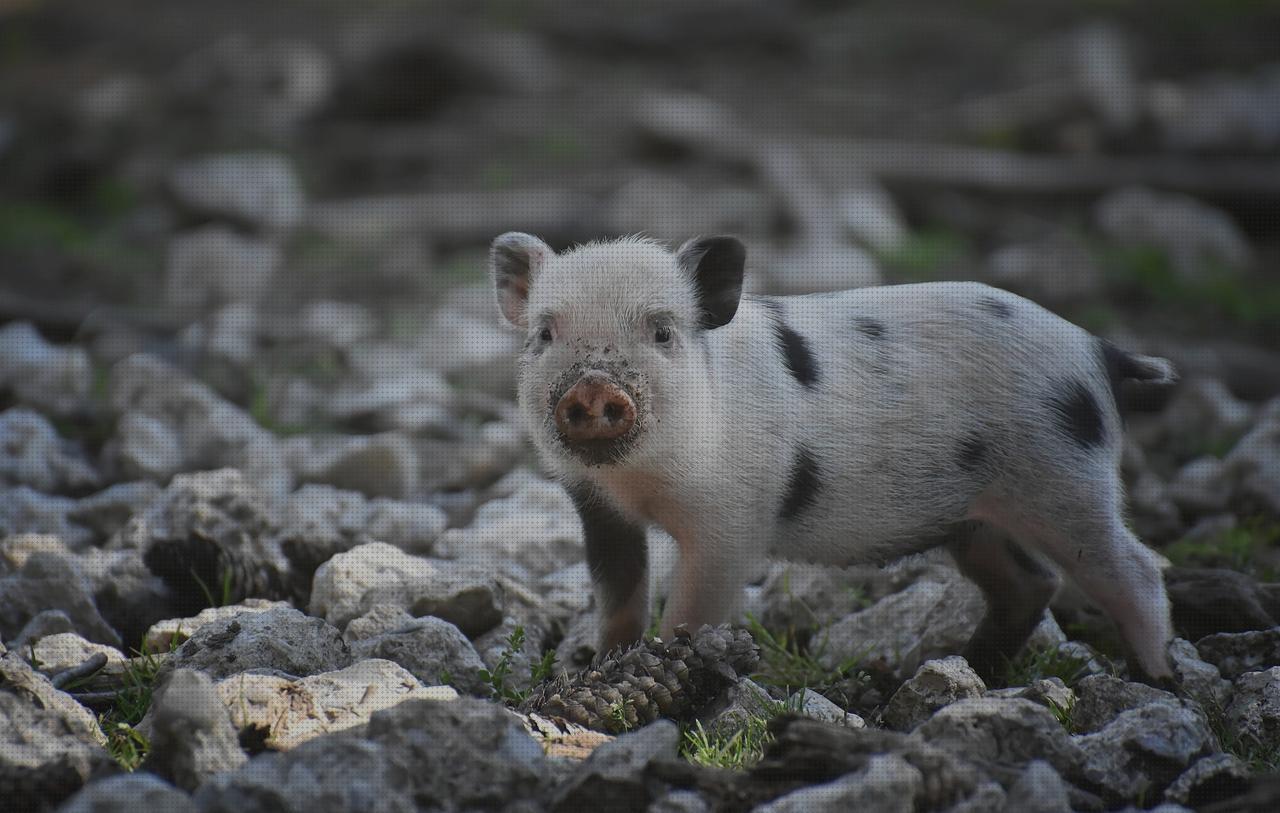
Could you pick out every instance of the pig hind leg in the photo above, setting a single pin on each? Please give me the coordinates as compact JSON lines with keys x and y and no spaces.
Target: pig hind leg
{"x":1016,"y":587}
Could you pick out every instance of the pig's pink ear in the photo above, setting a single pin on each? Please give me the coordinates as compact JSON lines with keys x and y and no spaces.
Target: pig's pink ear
{"x":514,"y":260}
{"x":715,"y":265}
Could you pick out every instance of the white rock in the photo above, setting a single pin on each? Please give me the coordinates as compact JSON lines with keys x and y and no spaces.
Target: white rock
{"x":49,"y":377}
{"x":259,"y":188}
{"x":214,"y":265}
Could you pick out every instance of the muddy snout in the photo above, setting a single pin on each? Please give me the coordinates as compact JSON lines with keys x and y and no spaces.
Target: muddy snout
{"x":594,"y":412}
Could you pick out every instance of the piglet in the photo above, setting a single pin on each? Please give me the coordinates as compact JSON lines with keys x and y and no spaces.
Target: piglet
{"x":846,"y":427}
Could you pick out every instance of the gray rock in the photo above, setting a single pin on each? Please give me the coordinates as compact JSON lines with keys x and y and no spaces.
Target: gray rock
{"x":1200,"y":680}
{"x":817,"y":707}
{"x":739,"y":703}
{"x":1038,"y":789}
{"x":820,"y":265}
{"x":32,"y":454}
{"x":1100,"y":699}
{"x":1235,"y":653}
{"x":1254,"y":713}
{"x":935,"y":684}
{"x":49,"y":744}
{"x":169,"y":633}
{"x":680,"y":801}
{"x":25,"y":511}
{"x":1219,"y":111}
{"x":537,"y":527}
{"x":888,"y":783}
{"x":1190,"y":232}
{"x":192,"y":737}
{"x":256,"y":188}
{"x":613,"y":776}
{"x":148,"y":447}
{"x":53,"y":379}
{"x":350,"y":584}
{"x":986,"y":797}
{"x":1143,"y":750}
{"x":106,"y":512}
{"x":333,"y":521}
{"x":1210,"y":779}
{"x":870,"y":216}
{"x":384,"y":465}
{"x":281,"y":640}
{"x":1254,"y":463}
{"x":432,"y":650}
{"x":991,"y":731}
{"x":49,"y":581}
{"x":1202,"y":486}
{"x":64,"y":650}
{"x":214,"y":265}
{"x":801,"y":595}
{"x":1055,"y":270}
{"x":129,"y":793}
{"x":42,"y":625}
{"x":928,"y":619}
{"x":381,"y":618}
{"x":1051,"y":693}
{"x":1208,"y":600}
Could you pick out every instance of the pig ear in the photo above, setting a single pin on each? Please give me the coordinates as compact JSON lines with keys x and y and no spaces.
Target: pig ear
{"x":514,"y":260}
{"x":715,"y":266}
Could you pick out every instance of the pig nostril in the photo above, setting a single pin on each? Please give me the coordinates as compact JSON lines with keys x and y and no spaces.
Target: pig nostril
{"x":613,"y":412}
{"x":576,"y":414}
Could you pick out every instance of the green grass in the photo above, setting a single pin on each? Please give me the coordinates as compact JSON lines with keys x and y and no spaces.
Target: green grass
{"x":1034,"y":664}
{"x":1236,"y":548}
{"x":499,"y":678}
{"x":926,"y":254}
{"x":1258,"y":757}
{"x":736,"y":748}
{"x":127,"y":745}
{"x":789,"y":665}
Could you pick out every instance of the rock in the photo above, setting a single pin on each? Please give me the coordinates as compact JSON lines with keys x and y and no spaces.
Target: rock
{"x":1237,"y":653}
{"x":1143,"y":750}
{"x":928,"y":619}
{"x":432,"y":650}
{"x":800,"y":595}
{"x":477,"y":350}
{"x":1100,"y":699}
{"x":49,"y":744}
{"x":106,"y":512}
{"x":130,"y":597}
{"x":211,"y":431}
{"x":888,"y":783}
{"x":384,"y":465}
{"x":869,"y":215}
{"x":935,"y":684}
{"x":1038,"y":789}
{"x":1202,"y":486}
{"x":169,"y":633}
{"x":280,"y":640}
{"x":1051,"y":693}
{"x":214,"y":265}
{"x":24,"y":511}
{"x":668,"y":205}
{"x":53,"y":379}
{"x":65,"y":650}
{"x":680,"y":801}
{"x":1254,"y":463}
{"x":1055,"y":270}
{"x":1201,"y":681}
{"x":32,"y":454}
{"x":285,"y":713}
{"x":211,"y":537}
{"x":255,"y":188}
{"x":1214,"y":778}
{"x":350,"y":584}
{"x":991,"y":731}
{"x":328,"y":521}
{"x":815,"y":706}
{"x":129,"y":793}
{"x":415,"y":400}
{"x":820,"y":266}
{"x":1253,"y":715}
{"x":192,"y":737}
{"x":1212,"y":600}
{"x":43,"y":624}
{"x":1203,"y":409}
{"x":148,"y":447}
{"x":737,"y":704}
{"x":537,"y":527}
{"x":1192,"y":234}
{"x":613,"y":776}
{"x":49,"y":581}
{"x":1219,"y":112}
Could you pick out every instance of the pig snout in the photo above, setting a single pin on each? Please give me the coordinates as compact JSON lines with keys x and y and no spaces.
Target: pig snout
{"x":595,"y":411}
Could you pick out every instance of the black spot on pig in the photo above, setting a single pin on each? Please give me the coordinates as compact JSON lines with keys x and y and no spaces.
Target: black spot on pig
{"x":616,"y":553}
{"x":972,"y":453}
{"x":803,"y":485}
{"x":1026,"y":561}
{"x":1078,"y":415}
{"x":869,"y":327}
{"x":994,"y":306}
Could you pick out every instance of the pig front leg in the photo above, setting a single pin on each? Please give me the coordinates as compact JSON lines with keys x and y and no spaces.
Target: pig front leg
{"x":707,"y":585}
{"x":618,"y":559}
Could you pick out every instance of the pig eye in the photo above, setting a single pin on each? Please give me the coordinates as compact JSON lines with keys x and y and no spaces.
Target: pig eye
{"x":545,"y":334}
{"x":662,"y":334}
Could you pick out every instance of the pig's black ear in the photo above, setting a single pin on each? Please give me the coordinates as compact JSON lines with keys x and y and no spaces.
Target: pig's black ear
{"x":514,"y":260}
{"x":715,"y":265}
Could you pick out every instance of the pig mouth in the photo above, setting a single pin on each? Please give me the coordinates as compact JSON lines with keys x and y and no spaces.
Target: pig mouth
{"x":597,"y":451}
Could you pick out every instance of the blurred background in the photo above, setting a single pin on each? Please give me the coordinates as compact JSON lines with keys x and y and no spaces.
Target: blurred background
{"x":286,"y":206}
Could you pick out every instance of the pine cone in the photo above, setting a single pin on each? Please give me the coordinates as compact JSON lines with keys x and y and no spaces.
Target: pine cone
{"x":629,"y":688}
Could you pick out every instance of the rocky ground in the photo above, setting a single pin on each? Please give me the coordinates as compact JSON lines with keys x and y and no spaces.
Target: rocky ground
{"x":270,"y":538}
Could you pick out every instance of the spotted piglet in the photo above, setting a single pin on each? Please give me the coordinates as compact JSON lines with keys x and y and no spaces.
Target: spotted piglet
{"x":856,"y":426}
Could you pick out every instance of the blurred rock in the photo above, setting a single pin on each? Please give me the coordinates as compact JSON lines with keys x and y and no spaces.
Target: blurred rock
{"x":381,"y":618}
{"x":1254,"y":463}
{"x":258,"y":189}
{"x":129,"y":793}
{"x":1215,"y":778}
{"x":168,"y":634}
{"x":1211,"y":600}
{"x":51,"y":378}
{"x":888,"y":782}
{"x":1143,"y":750}
{"x":148,"y":447}
{"x":1038,"y":789}
{"x":279,"y":640}
{"x":935,"y":684}
{"x":1053,"y":271}
{"x":284,"y":713}
{"x":812,"y":267}
{"x":613,"y":777}
{"x":1190,"y":232}
{"x":432,"y":650}
{"x":32,"y":454}
{"x":214,"y":265}
{"x":1200,"y":680}
{"x":384,"y":465}
{"x":1219,"y":112}
{"x":1202,"y":486}
{"x":49,"y":581}
{"x":537,"y":528}
{"x":1237,"y":653}
{"x":870,"y":216}
{"x":476,"y":352}
{"x":928,"y":619}
{"x":42,"y":625}
{"x":1254,"y":713}
{"x":192,"y":737}
{"x":351,"y":583}
{"x":667,"y":207}
{"x":414,"y":401}
{"x":1100,"y":699}
{"x":336,"y":324}
{"x":107,"y":511}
